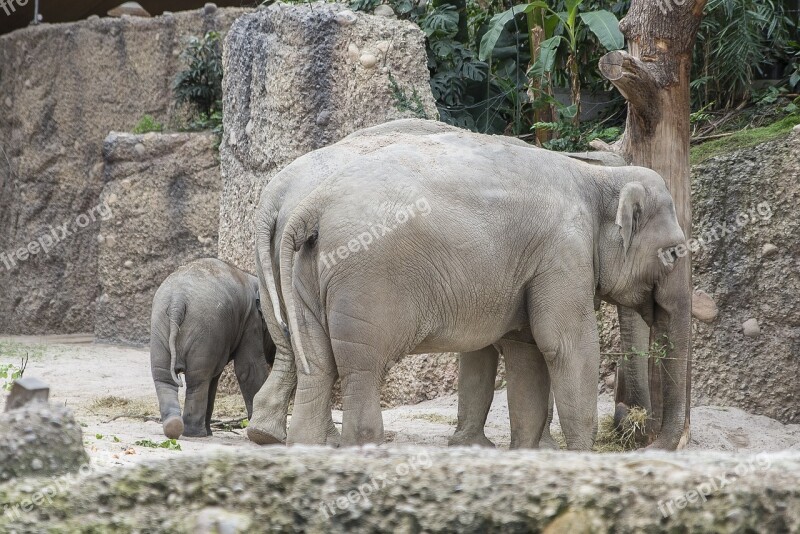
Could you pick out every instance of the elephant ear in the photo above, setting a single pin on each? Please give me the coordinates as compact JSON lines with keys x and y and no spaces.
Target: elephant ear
{"x":631,"y":203}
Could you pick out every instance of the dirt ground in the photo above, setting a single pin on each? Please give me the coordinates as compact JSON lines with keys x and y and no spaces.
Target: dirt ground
{"x":111,"y":392}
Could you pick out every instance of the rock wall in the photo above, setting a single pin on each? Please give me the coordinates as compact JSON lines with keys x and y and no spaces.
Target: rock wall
{"x":162,"y":196}
{"x":750,"y":356}
{"x":63,"y":88}
{"x":424,"y":490}
{"x":300,"y":77}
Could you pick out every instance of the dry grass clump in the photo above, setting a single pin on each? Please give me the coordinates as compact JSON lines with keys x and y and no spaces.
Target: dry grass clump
{"x":611,"y":440}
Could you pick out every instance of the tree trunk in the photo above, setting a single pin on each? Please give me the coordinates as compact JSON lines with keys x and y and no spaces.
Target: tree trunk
{"x":653,"y":76}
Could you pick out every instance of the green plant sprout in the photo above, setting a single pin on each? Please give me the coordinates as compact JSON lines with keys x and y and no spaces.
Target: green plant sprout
{"x":170,"y":444}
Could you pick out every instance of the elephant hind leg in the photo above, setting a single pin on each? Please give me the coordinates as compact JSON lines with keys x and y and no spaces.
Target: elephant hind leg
{"x":312,"y":423}
{"x":477,"y":371}
{"x":528,"y":393}
{"x":212,"y":395}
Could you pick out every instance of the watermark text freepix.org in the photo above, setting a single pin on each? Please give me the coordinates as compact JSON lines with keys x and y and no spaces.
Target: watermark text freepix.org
{"x":419,"y":462}
{"x":46,"y":494}
{"x":10,"y":6}
{"x":701,"y":492}
{"x":762,"y":212}
{"x":376,"y":231}
{"x":56,"y":234}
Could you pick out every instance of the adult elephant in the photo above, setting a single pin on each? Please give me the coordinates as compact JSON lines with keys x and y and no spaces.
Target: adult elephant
{"x":278,"y":201}
{"x":495,"y":238}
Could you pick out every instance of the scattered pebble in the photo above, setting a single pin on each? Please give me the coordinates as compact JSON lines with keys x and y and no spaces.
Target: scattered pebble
{"x":368,"y":60}
{"x":750,"y":328}
{"x":769,"y":250}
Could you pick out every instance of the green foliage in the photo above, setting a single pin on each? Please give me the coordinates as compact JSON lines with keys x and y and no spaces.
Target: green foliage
{"x":737,"y":39}
{"x":9,"y":373}
{"x":744,"y":139}
{"x":148,"y":124}
{"x":573,"y":138}
{"x":405,"y":103}
{"x":200,"y":84}
{"x":171,"y":444}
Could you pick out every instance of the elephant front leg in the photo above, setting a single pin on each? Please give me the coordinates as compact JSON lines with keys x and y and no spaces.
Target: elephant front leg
{"x":476,"y":376}
{"x":565,"y":329}
{"x":528,"y":393}
{"x":632,"y":386}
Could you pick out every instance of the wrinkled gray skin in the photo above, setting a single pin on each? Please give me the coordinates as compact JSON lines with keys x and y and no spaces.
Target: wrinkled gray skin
{"x":278,"y":200}
{"x":476,"y":374}
{"x":204,"y":315}
{"x":505,"y":239}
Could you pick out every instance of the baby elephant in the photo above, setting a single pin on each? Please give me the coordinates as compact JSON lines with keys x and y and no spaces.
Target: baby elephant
{"x":206,"y":314}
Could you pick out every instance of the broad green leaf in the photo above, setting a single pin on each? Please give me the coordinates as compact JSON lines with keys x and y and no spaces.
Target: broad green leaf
{"x":794,"y":79}
{"x":499,"y":22}
{"x":568,"y":112}
{"x":547,"y":57}
{"x":572,"y":11}
{"x":606,"y":27}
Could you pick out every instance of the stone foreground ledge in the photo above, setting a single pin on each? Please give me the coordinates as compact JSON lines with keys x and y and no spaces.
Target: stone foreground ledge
{"x":428,"y":490}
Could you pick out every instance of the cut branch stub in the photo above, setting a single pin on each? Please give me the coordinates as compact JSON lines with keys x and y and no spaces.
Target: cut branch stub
{"x":630,"y":75}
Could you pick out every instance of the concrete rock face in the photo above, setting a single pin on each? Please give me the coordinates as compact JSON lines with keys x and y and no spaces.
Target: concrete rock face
{"x":162,"y":194}
{"x":64,"y":87}
{"x":298,"y":78}
{"x":429,"y":490}
{"x":39,"y":439}
{"x":755,"y":193}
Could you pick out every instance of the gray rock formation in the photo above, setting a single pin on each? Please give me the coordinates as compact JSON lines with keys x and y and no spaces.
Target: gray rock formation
{"x":39,"y":439}
{"x":162,"y":193}
{"x":428,"y":490}
{"x":297,"y":78}
{"x":754,"y":192}
{"x":64,"y":87}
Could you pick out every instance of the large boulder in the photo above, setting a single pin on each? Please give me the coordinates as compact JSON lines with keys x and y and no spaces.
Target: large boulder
{"x":162,"y":197}
{"x":63,"y":87}
{"x":300,"y":77}
{"x":745,"y":210}
{"x":40,"y":439}
{"x":425,"y":490}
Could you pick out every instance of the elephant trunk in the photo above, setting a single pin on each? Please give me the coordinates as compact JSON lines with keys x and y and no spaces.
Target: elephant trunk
{"x":672,"y":330}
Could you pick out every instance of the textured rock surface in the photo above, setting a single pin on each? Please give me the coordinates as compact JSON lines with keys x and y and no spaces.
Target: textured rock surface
{"x":64,"y":87}
{"x":39,"y":439}
{"x":163,"y":191}
{"x":300,"y":77}
{"x":746,"y":279}
{"x":757,"y":374}
{"x":429,"y":490}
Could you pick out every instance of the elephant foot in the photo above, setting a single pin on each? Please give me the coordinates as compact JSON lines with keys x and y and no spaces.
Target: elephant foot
{"x":620,"y":413}
{"x":196,"y":432}
{"x":463,"y":439}
{"x":334,"y":438}
{"x":548,"y":442}
{"x":173,"y":427}
{"x":262,"y":437}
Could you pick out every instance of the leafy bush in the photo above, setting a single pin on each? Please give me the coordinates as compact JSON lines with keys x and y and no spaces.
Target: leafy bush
{"x":200,"y":85}
{"x":148,"y":124}
{"x":737,"y":39}
{"x":10,"y":373}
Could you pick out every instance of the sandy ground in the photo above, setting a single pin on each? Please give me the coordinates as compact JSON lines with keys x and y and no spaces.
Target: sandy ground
{"x":111,"y":392}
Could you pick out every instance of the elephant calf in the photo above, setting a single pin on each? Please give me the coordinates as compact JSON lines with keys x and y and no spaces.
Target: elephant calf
{"x":206,"y":314}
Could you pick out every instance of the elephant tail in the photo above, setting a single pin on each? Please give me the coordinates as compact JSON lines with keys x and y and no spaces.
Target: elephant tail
{"x":264,"y":233}
{"x":301,"y":229}
{"x":176,"y":314}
